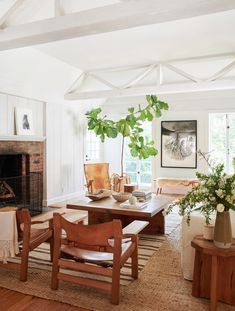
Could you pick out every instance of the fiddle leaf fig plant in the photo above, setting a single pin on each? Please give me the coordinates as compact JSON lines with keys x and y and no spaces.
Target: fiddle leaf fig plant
{"x":130,"y":126}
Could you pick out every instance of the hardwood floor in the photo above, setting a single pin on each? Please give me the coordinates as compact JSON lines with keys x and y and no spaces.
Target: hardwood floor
{"x":14,"y":301}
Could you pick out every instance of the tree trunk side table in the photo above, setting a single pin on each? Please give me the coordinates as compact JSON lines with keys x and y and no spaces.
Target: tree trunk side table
{"x":214,"y":272}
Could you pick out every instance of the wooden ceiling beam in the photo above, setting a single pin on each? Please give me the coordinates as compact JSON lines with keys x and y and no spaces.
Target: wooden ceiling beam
{"x":127,"y":15}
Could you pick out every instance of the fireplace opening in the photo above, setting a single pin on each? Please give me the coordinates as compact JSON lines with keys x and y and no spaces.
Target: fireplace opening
{"x":18,"y":185}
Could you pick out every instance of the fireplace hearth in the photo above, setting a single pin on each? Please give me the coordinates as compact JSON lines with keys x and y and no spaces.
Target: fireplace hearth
{"x":21,"y":175}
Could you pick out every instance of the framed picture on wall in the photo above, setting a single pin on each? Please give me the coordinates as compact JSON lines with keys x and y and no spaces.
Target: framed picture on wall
{"x":179,"y":144}
{"x":24,"y":121}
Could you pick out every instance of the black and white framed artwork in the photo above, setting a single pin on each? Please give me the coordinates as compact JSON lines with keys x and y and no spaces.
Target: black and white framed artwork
{"x":179,"y":144}
{"x":24,"y":121}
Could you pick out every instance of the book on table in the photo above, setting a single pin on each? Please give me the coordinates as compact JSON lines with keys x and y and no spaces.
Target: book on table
{"x":138,"y":205}
{"x":142,"y":194}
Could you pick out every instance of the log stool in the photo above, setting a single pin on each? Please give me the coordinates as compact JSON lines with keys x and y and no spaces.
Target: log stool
{"x":214,"y":272}
{"x":130,"y":187}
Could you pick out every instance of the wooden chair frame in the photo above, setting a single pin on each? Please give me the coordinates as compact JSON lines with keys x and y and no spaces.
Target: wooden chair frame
{"x":101,"y":244}
{"x":29,"y":239}
{"x":106,"y":180}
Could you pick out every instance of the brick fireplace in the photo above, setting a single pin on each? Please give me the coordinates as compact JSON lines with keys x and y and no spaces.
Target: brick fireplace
{"x":21,"y":174}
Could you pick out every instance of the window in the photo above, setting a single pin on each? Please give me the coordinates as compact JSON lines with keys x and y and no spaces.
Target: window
{"x":140,"y":171}
{"x":92,"y":147}
{"x":222,"y":139}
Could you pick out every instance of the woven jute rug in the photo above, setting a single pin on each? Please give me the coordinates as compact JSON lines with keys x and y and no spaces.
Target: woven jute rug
{"x":160,"y":286}
{"x":148,"y":245}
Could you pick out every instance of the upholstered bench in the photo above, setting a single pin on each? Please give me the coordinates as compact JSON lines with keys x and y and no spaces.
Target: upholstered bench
{"x":174,"y":184}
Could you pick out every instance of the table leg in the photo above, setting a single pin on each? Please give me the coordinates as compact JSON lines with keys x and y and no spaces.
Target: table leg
{"x":97,"y":218}
{"x":214,"y":282}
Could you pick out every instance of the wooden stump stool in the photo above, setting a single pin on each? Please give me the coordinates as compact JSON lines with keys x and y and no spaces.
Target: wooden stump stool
{"x":214,"y":272}
{"x":130,"y":187}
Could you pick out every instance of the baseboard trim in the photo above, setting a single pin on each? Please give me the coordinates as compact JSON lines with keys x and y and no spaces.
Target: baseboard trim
{"x":62,"y":198}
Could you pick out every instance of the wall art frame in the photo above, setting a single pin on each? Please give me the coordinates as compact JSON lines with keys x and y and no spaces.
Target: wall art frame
{"x":24,"y":121}
{"x":179,"y":144}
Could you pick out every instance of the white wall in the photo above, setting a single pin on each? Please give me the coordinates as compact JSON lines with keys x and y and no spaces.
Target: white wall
{"x":65,"y":154}
{"x":28,"y":72}
{"x":8,"y":103}
{"x":195,"y":106}
{"x":65,"y":128}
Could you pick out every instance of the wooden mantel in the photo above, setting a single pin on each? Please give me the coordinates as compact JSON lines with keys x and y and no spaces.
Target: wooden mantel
{"x":22,"y":138}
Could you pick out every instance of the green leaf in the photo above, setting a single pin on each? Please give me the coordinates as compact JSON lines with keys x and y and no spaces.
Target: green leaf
{"x":134,"y":151}
{"x":149,"y":116}
{"x":152,"y":151}
{"x":131,"y":120}
{"x":154,"y":98}
{"x":139,"y":129}
{"x":111,"y":132}
{"x":142,"y":116}
{"x":158,"y":113}
{"x":127,"y":130}
{"x":148,"y":97}
{"x":131,"y":109}
{"x":163,"y":105}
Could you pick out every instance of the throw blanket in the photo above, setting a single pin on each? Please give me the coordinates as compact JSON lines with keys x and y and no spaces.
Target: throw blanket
{"x":8,"y":235}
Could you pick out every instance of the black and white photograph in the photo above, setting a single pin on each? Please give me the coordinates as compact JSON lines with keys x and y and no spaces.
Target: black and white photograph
{"x":179,"y":144}
{"x":24,"y":121}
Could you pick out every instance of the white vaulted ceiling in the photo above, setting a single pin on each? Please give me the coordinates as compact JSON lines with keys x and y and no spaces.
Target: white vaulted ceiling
{"x":92,"y":35}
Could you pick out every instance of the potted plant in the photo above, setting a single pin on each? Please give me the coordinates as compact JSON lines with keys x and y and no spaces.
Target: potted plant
{"x":130,"y":126}
{"x":215,"y":193}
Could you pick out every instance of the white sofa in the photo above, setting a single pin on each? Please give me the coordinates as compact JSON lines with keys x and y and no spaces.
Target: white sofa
{"x":188,"y":232}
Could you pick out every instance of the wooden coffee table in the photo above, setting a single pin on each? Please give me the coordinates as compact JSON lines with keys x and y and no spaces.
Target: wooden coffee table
{"x":108,"y":209}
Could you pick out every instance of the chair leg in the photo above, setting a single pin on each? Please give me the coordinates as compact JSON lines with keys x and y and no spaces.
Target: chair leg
{"x":134,"y":264}
{"x":115,"y":286}
{"x":54,"y":279}
{"x":24,"y":266}
{"x":51,"y":241}
{"x":54,"y":274}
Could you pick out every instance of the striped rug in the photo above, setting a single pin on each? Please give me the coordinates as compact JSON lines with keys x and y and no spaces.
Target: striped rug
{"x":148,"y":245}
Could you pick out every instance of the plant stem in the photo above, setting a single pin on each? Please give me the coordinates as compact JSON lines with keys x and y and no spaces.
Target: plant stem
{"x":122,"y":156}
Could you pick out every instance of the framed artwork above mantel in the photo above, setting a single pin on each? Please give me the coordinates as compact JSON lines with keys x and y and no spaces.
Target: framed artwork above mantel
{"x":179,"y":144}
{"x":24,"y":121}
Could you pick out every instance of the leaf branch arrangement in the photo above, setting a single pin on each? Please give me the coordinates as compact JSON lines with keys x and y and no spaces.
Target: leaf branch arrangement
{"x":215,"y":192}
{"x":130,"y":126}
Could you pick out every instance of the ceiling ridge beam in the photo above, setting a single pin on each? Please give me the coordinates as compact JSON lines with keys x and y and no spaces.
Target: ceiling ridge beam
{"x":10,"y":11}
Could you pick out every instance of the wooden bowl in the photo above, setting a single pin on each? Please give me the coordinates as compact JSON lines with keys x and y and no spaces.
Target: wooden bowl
{"x":121,"y":196}
{"x":101,"y":194}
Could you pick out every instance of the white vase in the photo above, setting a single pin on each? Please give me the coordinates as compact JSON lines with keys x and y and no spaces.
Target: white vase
{"x":208,"y":232}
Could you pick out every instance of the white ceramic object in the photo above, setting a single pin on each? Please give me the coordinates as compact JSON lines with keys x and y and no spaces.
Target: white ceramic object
{"x":208,"y":232}
{"x":132,"y":200}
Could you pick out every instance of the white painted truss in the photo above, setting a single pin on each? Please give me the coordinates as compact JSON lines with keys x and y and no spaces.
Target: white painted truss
{"x":176,"y":76}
